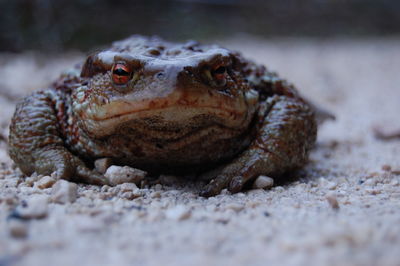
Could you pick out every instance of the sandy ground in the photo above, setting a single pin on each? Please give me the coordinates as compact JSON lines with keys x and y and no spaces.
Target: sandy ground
{"x":343,"y":208}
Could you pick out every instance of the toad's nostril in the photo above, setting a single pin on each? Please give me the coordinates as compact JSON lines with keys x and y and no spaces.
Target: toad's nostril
{"x":160,"y":75}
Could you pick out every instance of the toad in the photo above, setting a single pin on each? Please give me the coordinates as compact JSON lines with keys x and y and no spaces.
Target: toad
{"x":165,"y":108}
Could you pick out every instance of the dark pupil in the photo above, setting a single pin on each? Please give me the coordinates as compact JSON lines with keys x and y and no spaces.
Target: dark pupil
{"x":220,"y":70}
{"x":120,"y":72}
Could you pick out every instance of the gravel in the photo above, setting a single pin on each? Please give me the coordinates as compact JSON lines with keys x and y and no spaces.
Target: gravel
{"x":332,"y":200}
{"x":341,"y":209}
{"x":17,"y":228}
{"x":45,"y":182}
{"x":263,"y":182}
{"x":123,"y":174}
{"x":63,"y":192}
{"x":33,"y":207}
{"x":178,"y":213}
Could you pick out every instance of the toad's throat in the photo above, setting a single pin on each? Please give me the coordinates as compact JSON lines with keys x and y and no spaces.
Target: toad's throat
{"x":175,"y":134}
{"x":144,"y":146}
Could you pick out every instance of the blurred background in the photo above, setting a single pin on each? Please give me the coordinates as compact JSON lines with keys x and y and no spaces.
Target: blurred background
{"x":82,"y":24}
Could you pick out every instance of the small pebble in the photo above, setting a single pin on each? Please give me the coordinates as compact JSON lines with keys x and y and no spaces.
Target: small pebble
{"x":127,"y":187}
{"x":64,"y":192}
{"x":394,"y":183}
{"x":155,"y":194}
{"x":102,"y":164}
{"x":45,"y":182}
{"x":158,"y":187}
{"x":35,"y":207}
{"x":30,"y":180}
{"x":396,"y":172}
{"x":124,"y":174}
{"x":373,"y":174}
{"x":178,"y":213}
{"x":252,"y":204}
{"x":235,"y":206}
{"x":327,"y":184}
{"x":263,"y":182}
{"x":17,"y":228}
{"x":373,"y":191}
{"x":371,"y":182}
{"x":9,"y":199}
{"x":225,"y":192}
{"x":105,"y":188}
{"x":331,"y":185}
{"x":129,"y":195}
{"x":332,"y":200}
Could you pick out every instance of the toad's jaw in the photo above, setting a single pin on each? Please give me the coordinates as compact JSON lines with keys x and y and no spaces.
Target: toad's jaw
{"x":175,"y":111}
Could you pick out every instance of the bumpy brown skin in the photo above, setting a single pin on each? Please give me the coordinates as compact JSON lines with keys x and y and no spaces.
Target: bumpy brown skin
{"x":185,"y":108}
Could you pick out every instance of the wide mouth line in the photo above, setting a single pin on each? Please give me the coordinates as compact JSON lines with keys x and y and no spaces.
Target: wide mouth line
{"x":142,"y":112}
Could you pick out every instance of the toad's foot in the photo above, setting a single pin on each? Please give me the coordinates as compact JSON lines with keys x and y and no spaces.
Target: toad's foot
{"x":287,"y":133}
{"x":66,"y":166}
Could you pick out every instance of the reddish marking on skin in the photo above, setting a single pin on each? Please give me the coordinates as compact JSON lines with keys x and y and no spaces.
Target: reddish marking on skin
{"x":60,"y":112}
{"x":152,"y":104}
{"x":165,"y":104}
{"x":183,"y":102}
{"x":47,"y":142}
{"x":34,"y":133}
{"x":20,"y":145}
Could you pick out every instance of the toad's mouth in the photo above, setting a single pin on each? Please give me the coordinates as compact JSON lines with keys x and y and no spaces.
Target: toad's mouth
{"x":169,"y":116}
{"x":170,"y":121}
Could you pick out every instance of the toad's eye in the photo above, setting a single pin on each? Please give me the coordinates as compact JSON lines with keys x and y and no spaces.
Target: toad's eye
{"x":219,"y":74}
{"x":121,"y":73}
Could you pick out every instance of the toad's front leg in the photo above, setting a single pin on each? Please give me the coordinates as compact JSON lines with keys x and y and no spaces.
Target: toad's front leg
{"x":286,"y":133}
{"x":36,"y":144}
